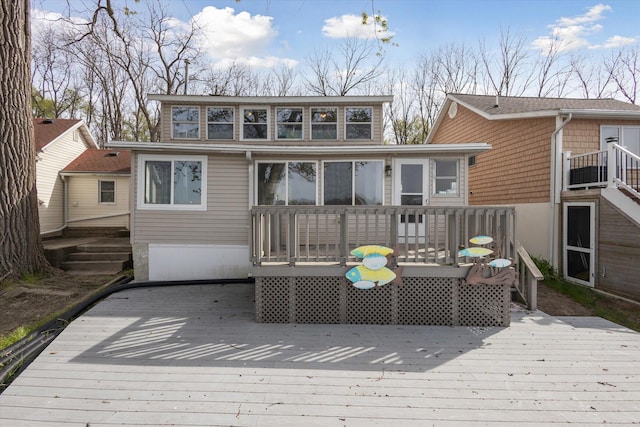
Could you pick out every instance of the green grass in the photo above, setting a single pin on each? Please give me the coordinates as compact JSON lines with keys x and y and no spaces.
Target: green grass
{"x":14,"y":336}
{"x":604,"y":306}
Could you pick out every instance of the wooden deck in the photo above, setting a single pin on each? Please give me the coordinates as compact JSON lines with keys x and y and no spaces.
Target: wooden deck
{"x":194,"y":356}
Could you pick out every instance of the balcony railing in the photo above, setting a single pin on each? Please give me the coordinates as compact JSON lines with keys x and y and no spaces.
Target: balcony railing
{"x":592,"y":170}
{"x":421,"y":235}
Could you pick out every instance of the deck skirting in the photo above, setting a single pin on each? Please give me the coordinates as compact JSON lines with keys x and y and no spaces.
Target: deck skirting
{"x":437,"y":299}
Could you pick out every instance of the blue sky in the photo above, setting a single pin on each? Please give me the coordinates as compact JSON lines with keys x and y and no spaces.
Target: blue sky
{"x":266,"y":33}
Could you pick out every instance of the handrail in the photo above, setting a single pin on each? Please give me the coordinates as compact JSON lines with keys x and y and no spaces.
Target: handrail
{"x":528,"y":277}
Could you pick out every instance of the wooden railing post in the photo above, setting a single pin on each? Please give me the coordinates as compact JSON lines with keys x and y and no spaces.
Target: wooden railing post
{"x":344,"y":239}
{"x":292,"y":247}
{"x":611,"y":165}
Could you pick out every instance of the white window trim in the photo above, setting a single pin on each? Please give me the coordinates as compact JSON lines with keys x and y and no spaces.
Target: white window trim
{"x":353,"y":171}
{"x":142,"y":158}
{"x":115,"y":193}
{"x":199,"y":121}
{"x":603,"y":143}
{"x":311,"y":123}
{"x":286,"y":182}
{"x":344,"y":115}
{"x":233,"y":123}
{"x":241,"y":121}
{"x":434,"y":177}
{"x":285,"y":123}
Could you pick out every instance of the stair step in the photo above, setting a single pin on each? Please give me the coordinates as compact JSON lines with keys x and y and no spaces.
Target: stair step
{"x":95,"y":267}
{"x":102,"y":248}
{"x":99,"y":256}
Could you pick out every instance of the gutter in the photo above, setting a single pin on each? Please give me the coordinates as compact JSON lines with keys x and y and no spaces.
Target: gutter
{"x":553,"y":186}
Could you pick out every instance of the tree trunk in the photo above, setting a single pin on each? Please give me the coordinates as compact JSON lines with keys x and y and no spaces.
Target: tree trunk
{"x":22,"y":250}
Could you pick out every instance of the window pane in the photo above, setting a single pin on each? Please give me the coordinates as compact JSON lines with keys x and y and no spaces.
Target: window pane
{"x":448,"y":168}
{"x":631,"y":139}
{"x":255,"y":116}
{"x":220,"y":131}
{"x":186,"y":114}
{"x":185,"y":130}
{"x":107,"y":185}
{"x":289,"y":115}
{"x":411,"y":177}
{"x":323,"y":131}
{"x":302,"y":183}
{"x":220,"y":115}
{"x":358,"y":123}
{"x":271,"y":184}
{"x":324,"y":115}
{"x":578,"y":265}
{"x":358,"y":131}
{"x":337,"y":183}
{"x":362,"y":115}
{"x":578,"y":226}
{"x":187,"y":188}
{"x":446,"y":186}
{"x":289,"y":131}
{"x":368,"y":183}
{"x":255,"y":124}
{"x":157,"y":183}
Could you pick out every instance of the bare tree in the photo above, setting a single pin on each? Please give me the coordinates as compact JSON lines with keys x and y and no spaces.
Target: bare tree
{"x":624,"y":69}
{"x":551,"y":73}
{"x":21,"y":248}
{"x":348,"y":68}
{"x":593,"y":79}
{"x":506,"y":70}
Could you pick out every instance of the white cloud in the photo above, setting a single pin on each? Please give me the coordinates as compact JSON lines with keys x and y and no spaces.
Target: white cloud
{"x":573,"y":33}
{"x":230,"y":37}
{"x":347,"y":26}
{"x":44,"y":24}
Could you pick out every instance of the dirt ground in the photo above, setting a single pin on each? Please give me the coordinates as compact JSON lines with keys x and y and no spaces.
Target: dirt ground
{"x":26,"y":303}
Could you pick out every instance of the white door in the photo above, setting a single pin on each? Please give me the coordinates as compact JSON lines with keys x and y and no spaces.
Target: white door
{"x":410,"y":187}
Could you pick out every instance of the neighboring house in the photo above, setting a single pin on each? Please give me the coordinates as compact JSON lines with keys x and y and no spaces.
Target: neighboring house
{"x":591,"y":233}
{"x":58,"y":142}
{"x":97,"y":183}
{"x":221,"y":156}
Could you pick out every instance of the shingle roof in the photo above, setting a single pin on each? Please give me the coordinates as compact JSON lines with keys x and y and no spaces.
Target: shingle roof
{"x":520,"y":105}
{"x":46,"y":130}
{"x":101,"y":161}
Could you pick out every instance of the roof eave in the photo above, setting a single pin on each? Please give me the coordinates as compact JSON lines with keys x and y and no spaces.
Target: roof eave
{"x":288,"y":100}
{"x":466,"y":148}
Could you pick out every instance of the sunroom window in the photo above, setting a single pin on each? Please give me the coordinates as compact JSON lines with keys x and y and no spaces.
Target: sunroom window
{"x":353,"y":183}
{"x":220,"y":122}
{"x":446,"y":177}
{"x":287,"y":183}
{"x":358,"y":122}
{"x":185,"y":122}
{"x":255,"y":123}
{"x":169,"y":182}
{"x":289,"y":123}
{"x":324,"y":123}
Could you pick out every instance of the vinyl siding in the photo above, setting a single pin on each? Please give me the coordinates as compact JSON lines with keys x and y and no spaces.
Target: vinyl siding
{"x":377,"y":130}
{"x":84,"y":201}
{"x":225,"y":222}
{"x":582,"y":136}
{"x":50,"y":186}
{"x":516,"y":169}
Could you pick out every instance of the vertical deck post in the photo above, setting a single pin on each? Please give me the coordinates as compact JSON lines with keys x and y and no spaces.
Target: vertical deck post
{"x":344,"y":239}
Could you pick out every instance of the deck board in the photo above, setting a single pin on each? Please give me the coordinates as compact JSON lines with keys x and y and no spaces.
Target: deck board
{"x":193,"y":355}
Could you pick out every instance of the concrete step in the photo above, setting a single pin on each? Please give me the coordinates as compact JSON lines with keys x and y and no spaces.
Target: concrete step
{"x":104,"y":247}
{"x":99,"y":256}
{"x":95,"y":267}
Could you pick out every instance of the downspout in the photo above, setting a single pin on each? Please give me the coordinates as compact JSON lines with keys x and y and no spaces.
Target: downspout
{"x":250,"y":173}
{"x":553,"y":186}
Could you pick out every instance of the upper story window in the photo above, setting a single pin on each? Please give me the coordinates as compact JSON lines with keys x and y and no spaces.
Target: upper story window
{"x":220,"y":122}
{"x":353,"y":182}
{"x":324,"y":123}
{"x":289,"y":123}
{"x":287,"y":183}
{"x":446,"y":177}
{"x":255,"y":123}
{"x":172,"y":182}
{"x":185,"y":122}
{"x":107,"y":191}
{"x":358,"y":122}
{"x":626,"y":136}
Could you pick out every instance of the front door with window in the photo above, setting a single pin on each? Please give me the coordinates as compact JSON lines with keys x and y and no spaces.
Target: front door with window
{"x":410,"y":187}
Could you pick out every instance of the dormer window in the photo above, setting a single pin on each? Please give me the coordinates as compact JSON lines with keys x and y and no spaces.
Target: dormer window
{"x":324,"y":123}
{"x":255,"y":123}
{"x":358,"y":122}
{"x":185,"y":122}
{"x":289,"y":123}
{"x":220,"y":122}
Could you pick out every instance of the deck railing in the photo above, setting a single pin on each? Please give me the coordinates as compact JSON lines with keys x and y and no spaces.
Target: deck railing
{"x":592,"y":170}
{"x":420,"y":234}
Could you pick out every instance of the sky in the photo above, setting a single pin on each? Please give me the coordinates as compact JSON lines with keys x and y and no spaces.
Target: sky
{"x":270,"y":33}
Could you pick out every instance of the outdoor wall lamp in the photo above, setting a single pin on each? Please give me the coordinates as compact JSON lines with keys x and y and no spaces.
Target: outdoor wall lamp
{"x":387,"y":170}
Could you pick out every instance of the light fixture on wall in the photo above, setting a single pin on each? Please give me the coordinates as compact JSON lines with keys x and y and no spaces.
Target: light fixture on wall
{"x":387,"y":170}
